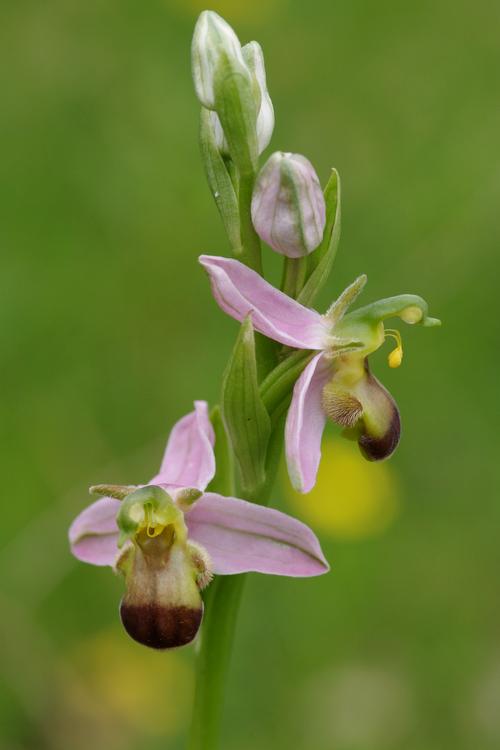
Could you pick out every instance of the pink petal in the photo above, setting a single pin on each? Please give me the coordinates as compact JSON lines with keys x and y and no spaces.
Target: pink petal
{"x":305,"y":423}
{"x":239,"y":291}
{"x":93,"y":535}
{"x":241,"y":536}
{"x":189,"y":456}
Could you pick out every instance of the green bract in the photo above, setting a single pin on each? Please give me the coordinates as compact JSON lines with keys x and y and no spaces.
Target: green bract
{"x":219,"y":179}
{"x":319,"y":263}
{"x":245,"y":416}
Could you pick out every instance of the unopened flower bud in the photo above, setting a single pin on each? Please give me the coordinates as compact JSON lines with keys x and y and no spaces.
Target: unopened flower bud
{"x":215,"y":45}
{"x":224,"y":83}
{"x":288,"y":207}
{"x":254,"y":58}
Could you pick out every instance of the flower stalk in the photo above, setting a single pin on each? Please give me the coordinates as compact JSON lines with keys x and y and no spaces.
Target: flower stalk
{"x":294,"y":276}
{"x":221,"y":611}
{"x":250,"y":243}
{"x":222,"y":604}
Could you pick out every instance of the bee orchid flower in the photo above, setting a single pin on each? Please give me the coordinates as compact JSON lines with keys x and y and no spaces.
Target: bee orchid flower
{"x":169,"y":537}
{"x":337,"y":382}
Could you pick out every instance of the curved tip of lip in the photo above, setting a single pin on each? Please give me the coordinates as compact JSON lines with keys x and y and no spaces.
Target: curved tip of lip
{"x":379,"y":448}
{"x":161,"y":627}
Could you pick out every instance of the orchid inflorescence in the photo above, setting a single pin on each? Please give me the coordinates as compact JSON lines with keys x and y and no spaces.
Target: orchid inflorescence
{"x":169,"y":537}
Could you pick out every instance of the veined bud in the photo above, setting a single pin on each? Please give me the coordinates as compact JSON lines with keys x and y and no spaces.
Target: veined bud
{"x":214,"y":46}
{"x":254,"y":59}
{"x":288,"y":207}
{"x":224,"y":83}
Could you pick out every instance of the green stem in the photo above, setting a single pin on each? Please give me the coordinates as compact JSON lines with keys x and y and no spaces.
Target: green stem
{"x":222,"y":603}
{"x":249,"y":239}
{"x":294,"y":276}
{"x":279,"y":382}
{"x":221,"y":610}
{"x":223,"y":597}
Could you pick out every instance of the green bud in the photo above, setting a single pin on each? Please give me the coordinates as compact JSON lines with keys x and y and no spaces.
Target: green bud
{"x":215,"y":47}
{"x":224,"y":83}
{"x":254,"y":58}
{"x":237,"y":112}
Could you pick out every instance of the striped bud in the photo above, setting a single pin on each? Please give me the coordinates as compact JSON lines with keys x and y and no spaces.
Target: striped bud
{"x":288,"y":207}
{"x":254,"y":59}
{"x":215,"y":46}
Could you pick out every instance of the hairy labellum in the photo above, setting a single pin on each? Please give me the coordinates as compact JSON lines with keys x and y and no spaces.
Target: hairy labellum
{"x":366,"y":407}
{"x":342,"y":408}
{"x":162,"y":607}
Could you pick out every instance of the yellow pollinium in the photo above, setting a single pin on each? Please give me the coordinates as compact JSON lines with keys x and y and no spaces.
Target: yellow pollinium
{"x":148,"y":511}
{"x":396,"y":356}
{"x":154,"y":515}
{"x":151,"y":523}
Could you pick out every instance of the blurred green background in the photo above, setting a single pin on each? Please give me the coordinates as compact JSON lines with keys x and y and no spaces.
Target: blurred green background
{"x":108,"y":331}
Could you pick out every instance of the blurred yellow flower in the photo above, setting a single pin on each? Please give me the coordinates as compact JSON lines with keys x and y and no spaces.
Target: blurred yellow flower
{"x":353,"y":498}
{"x":138,"y":687}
